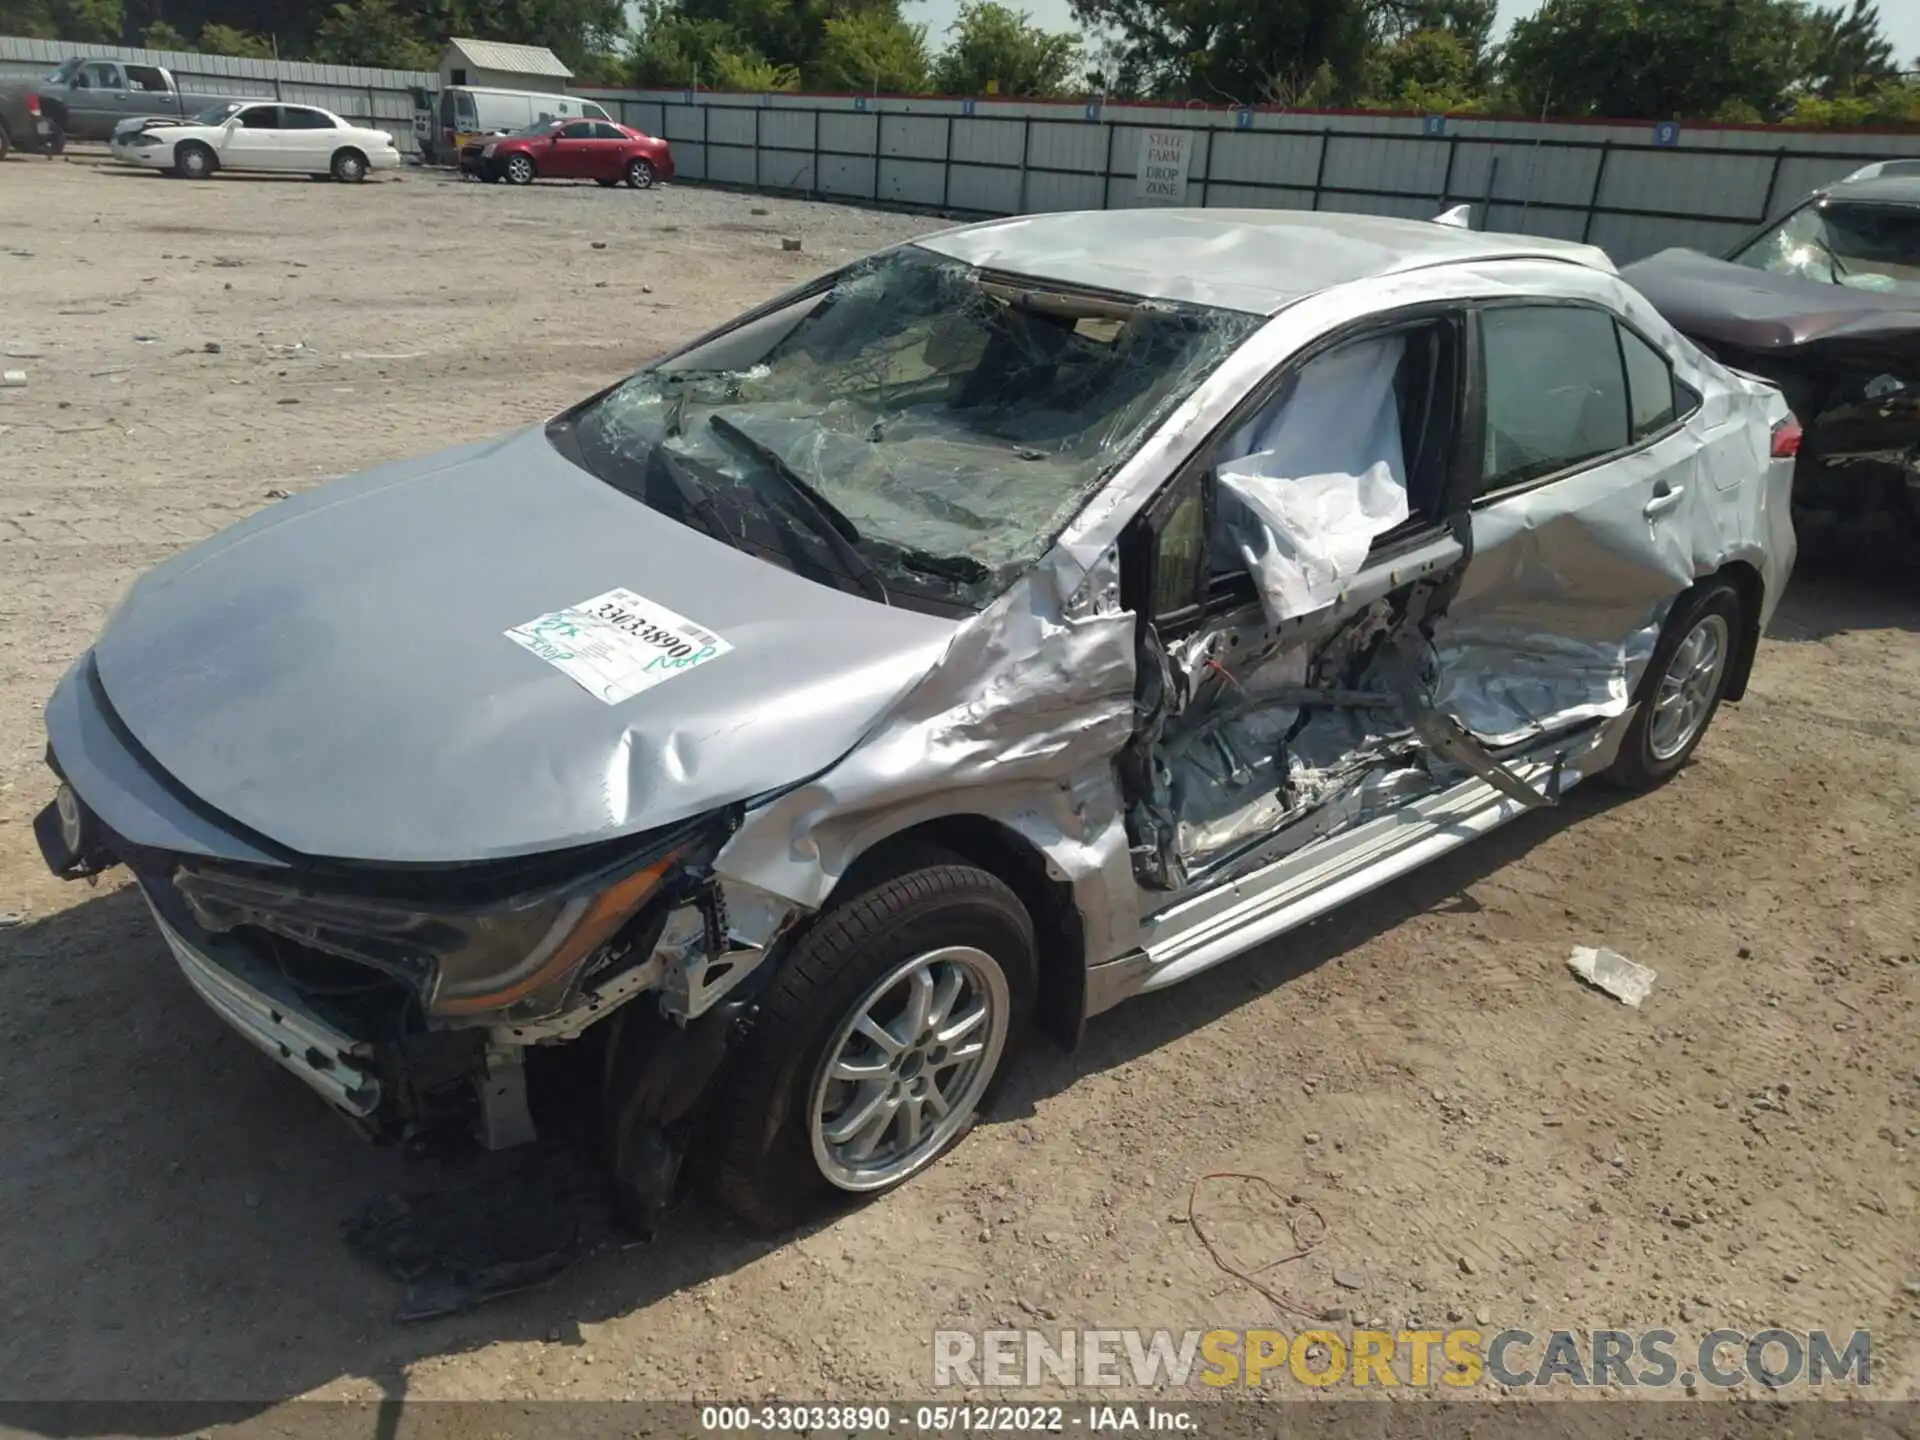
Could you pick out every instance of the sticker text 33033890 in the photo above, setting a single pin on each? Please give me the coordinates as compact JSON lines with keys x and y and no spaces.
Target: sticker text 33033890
{"x":618,"y":644}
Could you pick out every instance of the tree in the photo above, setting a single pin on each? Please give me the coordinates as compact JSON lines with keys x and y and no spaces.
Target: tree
{"x":1001,"y":50}
{"x":372,"y":32}
{"x":230,"y":40}
{"x":1845,"y":52}
{"x":1292,"y":52}
{"x":162,"y":36}
{"x":1654,"y":59}
{"x":873,"y":50}
{"x":87,"y":22}
{"x":1427,"y":71}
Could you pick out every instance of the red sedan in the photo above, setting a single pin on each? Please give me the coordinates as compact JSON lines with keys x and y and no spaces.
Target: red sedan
{"x":571,"y":150}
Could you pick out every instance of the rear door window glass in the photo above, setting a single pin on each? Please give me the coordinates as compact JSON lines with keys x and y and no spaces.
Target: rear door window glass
{"x":1650,"y":389}
{"x":1556,"y":392}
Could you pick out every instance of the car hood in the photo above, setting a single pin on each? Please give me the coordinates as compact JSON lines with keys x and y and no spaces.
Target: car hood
{"x":1756,"y":310}
{"x":334,"y":672}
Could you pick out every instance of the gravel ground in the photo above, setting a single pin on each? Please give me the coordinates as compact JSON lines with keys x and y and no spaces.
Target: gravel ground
{"x":1487,"y":1140}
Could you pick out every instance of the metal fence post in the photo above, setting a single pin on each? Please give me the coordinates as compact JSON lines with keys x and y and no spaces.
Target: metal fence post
{"x":1106,"y":166}
{"x":1773,"y":184}
{"x":756,"y":148}
{"x":879,"y":135}
{"x":706,"y":148}
{"x":1320,"y":170}
{"x":815,"y":187}
{"x":1026,"y":146}
{"x":1593,"y":197}
{"x":946,"y":165}
{"x":373,"y":110}
{"x":1446,"y":178}
{"x":1206,"y":163}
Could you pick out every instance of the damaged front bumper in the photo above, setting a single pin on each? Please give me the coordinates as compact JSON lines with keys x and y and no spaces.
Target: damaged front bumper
{"x":407,"y":1000}
{"x":273,"y":1017}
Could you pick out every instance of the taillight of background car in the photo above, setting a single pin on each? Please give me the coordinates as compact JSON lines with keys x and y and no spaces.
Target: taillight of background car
{"x":1786,"y":439}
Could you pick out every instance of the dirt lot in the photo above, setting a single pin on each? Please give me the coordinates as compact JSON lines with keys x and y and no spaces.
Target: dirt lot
{"x":1487,"y":1140}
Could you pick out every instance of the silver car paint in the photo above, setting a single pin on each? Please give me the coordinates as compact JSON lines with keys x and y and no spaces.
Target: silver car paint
{"x":460,"y":746}
{"x":1021,"y":722}
{"x":332,"y":673}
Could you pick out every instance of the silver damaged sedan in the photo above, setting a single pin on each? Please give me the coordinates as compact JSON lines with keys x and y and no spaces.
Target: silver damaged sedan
{"x":1008,"y":624}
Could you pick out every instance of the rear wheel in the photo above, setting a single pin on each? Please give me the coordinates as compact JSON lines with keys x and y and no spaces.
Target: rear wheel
{"x":6,"y":142}
{"x":640,"y":174}
{"x":349,"y":167}
{"x":519,"y":170}
{"x":55,"y":140}
{"x":1682,"y":688}
{"x":877,"y":1044}
{"x":194,"y":160}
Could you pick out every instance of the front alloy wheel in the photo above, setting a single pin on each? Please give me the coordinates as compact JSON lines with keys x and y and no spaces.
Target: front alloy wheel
{"x":519,"y":170}
{"x":907,"y":1070}
{"x":877,"y":1042}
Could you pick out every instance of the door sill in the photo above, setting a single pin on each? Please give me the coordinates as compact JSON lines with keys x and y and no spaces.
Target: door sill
{"x":1198,"y":933}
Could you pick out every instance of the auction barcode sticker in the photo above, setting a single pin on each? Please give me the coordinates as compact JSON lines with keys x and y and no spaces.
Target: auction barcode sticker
{"x":618,"y":644}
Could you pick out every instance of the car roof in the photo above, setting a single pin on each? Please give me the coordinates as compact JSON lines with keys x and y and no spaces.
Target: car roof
{"x":1252,"y":260}
{"x":1876,"y":189}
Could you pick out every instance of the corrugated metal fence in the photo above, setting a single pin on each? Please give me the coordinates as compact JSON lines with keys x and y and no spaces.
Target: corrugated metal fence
{"x":382,"y":99}
{"x":1632,"y":188}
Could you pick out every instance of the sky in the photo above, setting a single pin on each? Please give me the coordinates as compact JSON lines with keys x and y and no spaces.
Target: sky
{"x":1899,"y":19}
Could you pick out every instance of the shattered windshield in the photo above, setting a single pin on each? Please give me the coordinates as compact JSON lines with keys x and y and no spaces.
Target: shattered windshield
{"x":1864,"y":247}
{"x":913,"y":429}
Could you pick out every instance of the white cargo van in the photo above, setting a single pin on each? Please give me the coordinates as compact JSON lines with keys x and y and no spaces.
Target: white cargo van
{"x":469,"y":110}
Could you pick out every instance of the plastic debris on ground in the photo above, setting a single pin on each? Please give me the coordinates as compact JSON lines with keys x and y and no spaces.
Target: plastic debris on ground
{"x":1612,"y":972}
{"x":507,"y":1222}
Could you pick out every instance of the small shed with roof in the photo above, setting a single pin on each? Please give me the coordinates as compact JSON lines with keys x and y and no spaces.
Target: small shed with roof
{"x":497,"y":64}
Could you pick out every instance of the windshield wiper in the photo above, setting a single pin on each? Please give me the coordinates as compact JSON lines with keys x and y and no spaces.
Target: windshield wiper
{"x":692,"y":494}
{"x":821,"y":514}
{"x":963,"y":568}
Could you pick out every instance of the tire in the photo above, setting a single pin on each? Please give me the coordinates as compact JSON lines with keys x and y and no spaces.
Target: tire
{"x":777,"y":1161}
{"x":1688,"y":682}
{"x":194,"y":161}
{"x":54,"y":142}
{"x":349,"y":167}
{"x":518,"y":170}
{"x":6,"y":142}
{"x":639,"y":175}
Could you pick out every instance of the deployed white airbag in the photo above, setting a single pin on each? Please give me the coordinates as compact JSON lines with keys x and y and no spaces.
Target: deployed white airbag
{"x":1316,"y":476}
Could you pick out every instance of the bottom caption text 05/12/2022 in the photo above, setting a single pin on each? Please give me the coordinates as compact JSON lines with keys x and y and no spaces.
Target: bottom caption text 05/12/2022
{"x":946,"y":1419}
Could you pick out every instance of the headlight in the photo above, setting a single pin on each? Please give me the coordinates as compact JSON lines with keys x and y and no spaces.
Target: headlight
{"x":486,"y":152}
{"x":516,"y":958}
{"x":512,"y":957}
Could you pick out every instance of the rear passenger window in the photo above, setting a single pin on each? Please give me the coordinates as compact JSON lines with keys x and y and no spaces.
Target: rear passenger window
{"x":1556,"y":392}
{"x":609,"y":132}
{"x":1650,"y":386}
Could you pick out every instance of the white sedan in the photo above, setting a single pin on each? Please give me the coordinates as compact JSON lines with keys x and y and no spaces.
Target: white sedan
{"x":243,"y":135}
